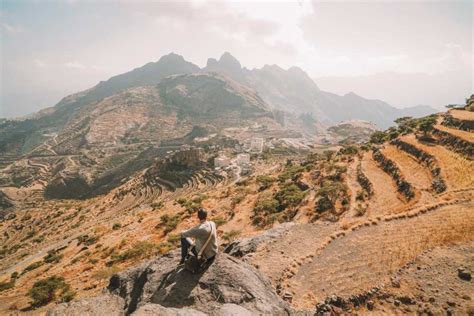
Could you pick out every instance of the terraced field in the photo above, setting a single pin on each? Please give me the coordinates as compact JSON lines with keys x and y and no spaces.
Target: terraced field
{"x":457,"y":132}
{"x":454,"y":167}
{"x":356,"y":260}
{"x":385,"y":198}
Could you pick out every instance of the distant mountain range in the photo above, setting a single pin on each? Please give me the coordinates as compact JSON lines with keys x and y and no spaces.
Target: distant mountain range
{"x":289,"y":91}
{"x":293,"y":90}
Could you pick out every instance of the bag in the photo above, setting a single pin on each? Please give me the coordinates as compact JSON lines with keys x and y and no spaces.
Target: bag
{"x":195,"y":264}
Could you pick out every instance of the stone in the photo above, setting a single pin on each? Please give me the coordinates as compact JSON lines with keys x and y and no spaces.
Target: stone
{"x":156,"y":309}
{"x":370,"y":305}
{"x":227,"y":280}
{"x":464,"y":274}
{"x":110,"y":305}
{"x":245,"y":246}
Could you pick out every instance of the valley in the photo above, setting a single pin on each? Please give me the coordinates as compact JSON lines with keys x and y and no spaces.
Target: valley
{"x":320,"y":218}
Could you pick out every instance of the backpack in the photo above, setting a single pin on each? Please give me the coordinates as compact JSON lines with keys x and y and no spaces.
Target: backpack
{"x":196,"y":264}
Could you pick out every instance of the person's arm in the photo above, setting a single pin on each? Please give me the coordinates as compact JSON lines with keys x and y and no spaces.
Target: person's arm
{"x":192,"y":232}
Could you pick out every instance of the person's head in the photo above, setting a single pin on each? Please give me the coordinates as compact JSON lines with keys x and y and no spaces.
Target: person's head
{"x":202,"y":215}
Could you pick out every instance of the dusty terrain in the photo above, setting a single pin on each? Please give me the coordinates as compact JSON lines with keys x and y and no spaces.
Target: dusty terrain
{"x":350,"y":244}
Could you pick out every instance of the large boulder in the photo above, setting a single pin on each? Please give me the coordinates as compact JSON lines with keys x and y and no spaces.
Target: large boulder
{"x":107,"y":304}
{"x":227,"y":281}
{"x":244,"y":246}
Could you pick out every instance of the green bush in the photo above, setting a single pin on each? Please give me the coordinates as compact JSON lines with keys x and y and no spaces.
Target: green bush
{"x":266,"y":206}
{"x":33,"y":266}
{"x":324,"y":204}
{"x":169,"y":222}
{"x":290,"y":172}
{"x":265,"y":182}
{"x":53,"y":256}
{"x":231,"y":235}
{"x":87,"y":240}
{"x":116,"y":226}
{"x":138,"y":250}
{"x":219,"y":220}
{"x":48,"y":290}
{"x":289,"y":196}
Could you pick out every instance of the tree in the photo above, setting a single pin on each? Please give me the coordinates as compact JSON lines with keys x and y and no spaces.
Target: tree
{"x":377,"y":137}
{"x":426,"y":124}
{"x":406,"y":124}
{"x":332,"y":190}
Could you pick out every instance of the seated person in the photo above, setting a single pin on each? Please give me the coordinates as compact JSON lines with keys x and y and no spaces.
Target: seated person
{"x":200,"y":234}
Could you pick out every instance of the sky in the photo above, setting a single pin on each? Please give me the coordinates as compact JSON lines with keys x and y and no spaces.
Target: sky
{"x":403,"y":52}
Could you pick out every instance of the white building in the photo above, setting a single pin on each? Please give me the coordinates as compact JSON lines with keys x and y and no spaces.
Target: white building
{"x":256,"y":145}
{"x":221,"y":162}
{"x":243,"y":159}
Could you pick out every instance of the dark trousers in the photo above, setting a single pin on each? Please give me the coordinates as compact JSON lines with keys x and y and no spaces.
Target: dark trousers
{"x":185,"y":244}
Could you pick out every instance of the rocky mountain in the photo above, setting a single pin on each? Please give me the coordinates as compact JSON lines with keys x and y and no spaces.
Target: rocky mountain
{"x":104,"y":142}
{"x":89,"y":140}
{"x":293,"y":90}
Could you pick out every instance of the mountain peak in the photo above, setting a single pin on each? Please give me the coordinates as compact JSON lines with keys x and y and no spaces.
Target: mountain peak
{"x":229,"y":61}
{"x":171,"y":57}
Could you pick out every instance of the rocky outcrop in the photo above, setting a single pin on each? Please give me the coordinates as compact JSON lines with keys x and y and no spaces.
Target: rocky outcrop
{"x":427,"y":160}
{"x":162,"y":287}
{"x":403,"y":186}
{"x":244,"y":246}
{"x":228,"y":280}
{"x":107,"y":304}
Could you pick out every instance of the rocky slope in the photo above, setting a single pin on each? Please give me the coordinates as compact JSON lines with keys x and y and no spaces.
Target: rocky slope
{"x":229,"y":286}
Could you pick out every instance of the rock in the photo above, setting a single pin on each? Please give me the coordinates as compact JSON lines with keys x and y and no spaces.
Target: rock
{"x":228,"y":280}
{"x":395,"y":281}
{"x":464,"y":274}
{"x":287,"y":297}
{"x":451,"y":303}
{"x":156,"y":309}
{"x":370,"y":305}
{"x":407,"y":300}
{"x":246,"y":246}
{"x":110,"y":305}
{"x":232,"y":310}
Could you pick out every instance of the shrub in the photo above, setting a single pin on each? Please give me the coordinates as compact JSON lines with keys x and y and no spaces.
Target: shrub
{"x":265,"y":182}
{"x":289,"y":196}
{"x":169,"y":222}
{"x":138,"y":250}
{"x":237,"y":199}
{"x":231,"y":235}
{"x":290,"y":172}
{"x":33,"y":266}
{"x":38,"y":239}
{"x":360,"y":210}
{"x":378,"y":137}
{"x":219,"y":220}
{"x":8,"y":284}
{"x":266,"y":206}
{"x":324,"y":204}
{"x":157,"y":205}
{"x":332,"y":191}
{"x":116,"y":226}
{"x":87,"y":240}
{"x":52,"y":257}
{"x":47,"y":290}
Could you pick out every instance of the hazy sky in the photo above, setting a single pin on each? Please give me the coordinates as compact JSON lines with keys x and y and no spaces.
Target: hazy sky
{"x":403,"y":52}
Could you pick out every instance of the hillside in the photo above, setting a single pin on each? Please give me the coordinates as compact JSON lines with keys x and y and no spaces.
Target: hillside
{"x":384,"y":227}
{"x":105,"y":142}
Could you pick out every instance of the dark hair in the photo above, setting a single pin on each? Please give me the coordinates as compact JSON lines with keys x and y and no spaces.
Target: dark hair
{"x":202,"y":214}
